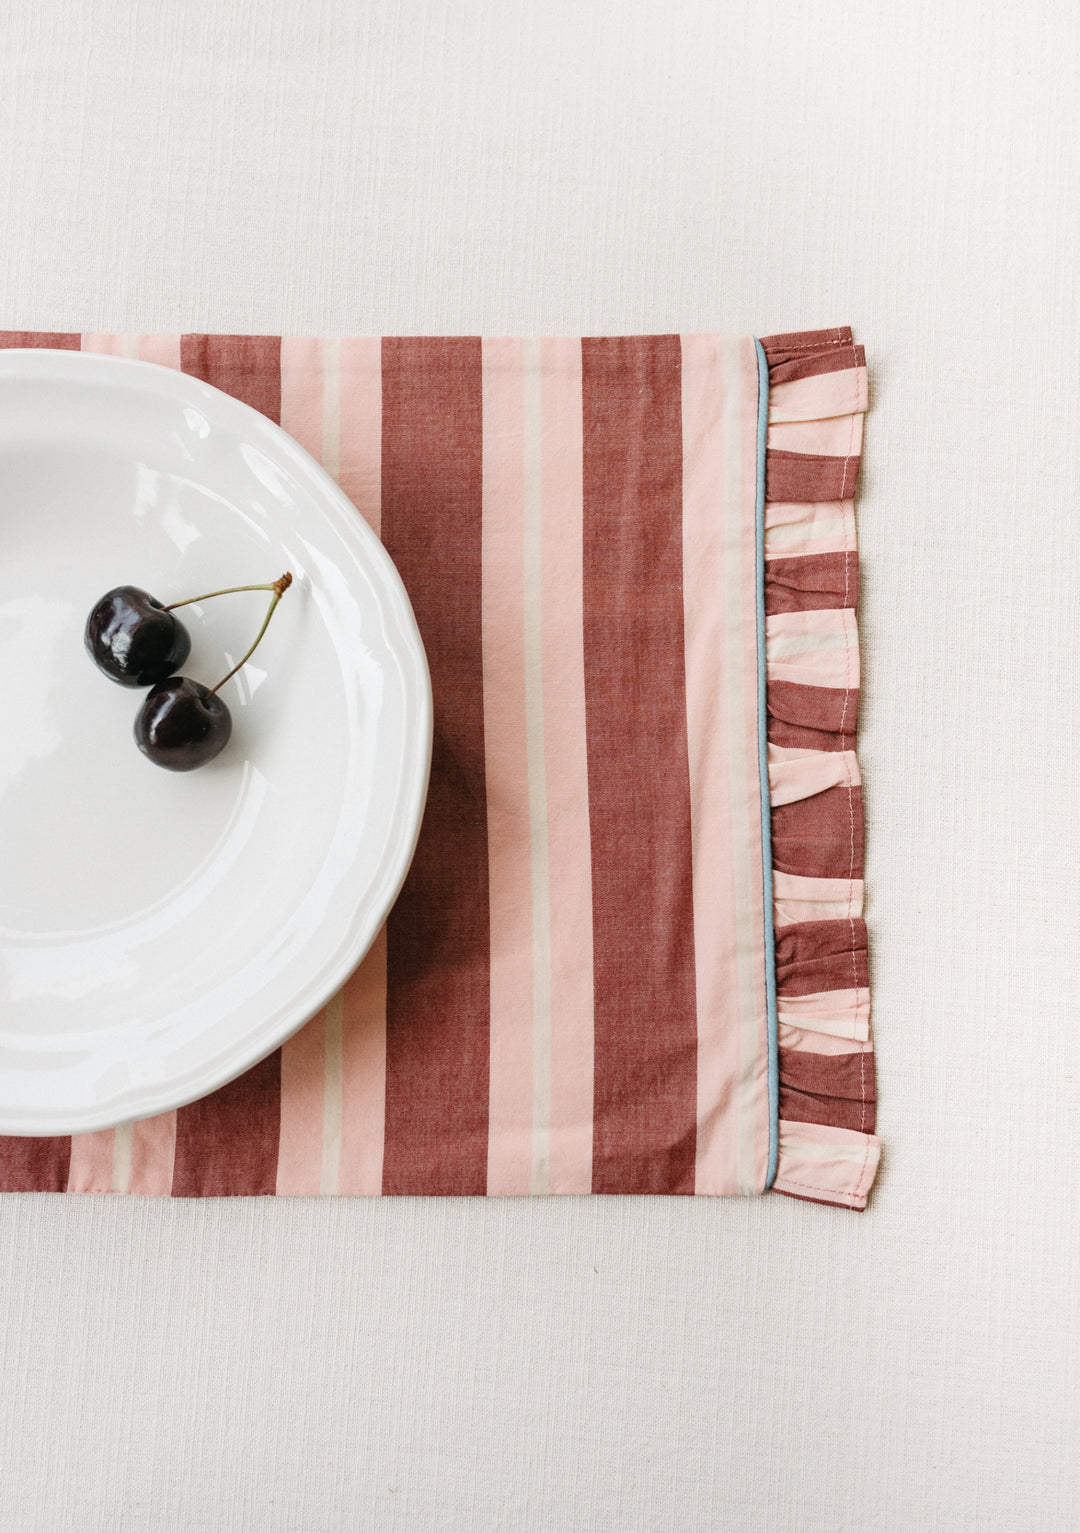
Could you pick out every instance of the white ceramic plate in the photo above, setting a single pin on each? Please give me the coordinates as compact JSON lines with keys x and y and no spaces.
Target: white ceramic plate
{"x":160,"y":932}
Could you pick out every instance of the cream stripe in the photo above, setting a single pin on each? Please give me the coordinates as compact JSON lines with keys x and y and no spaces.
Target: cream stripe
{"x":808,"y":514}
{"x":741,"y":751}
{"x":826,"y":1003}
{"x":818,"y":621}
{"x":838,"y":436}
{"x":331,"y":405}
{"x":798,"y":899}
{"x":803,"y":399}
{"x":301,"y":1148}
{"x":534,"y":729}
{"x":113,"y":345}
{"x":850,"y":1154}
{"x":803,"y":1041}
{"x":566,"y":772}
{"x":121,"y":1174}
{"x":795,"y":886}
{"x":788,"y":534}
{"x":778,"y":646}
{"x":855,"y":1028}
{"x":105,"y":345}
{"x":803,"y":775}
{"x":359,"y":432}
{"x":331,"y":1126}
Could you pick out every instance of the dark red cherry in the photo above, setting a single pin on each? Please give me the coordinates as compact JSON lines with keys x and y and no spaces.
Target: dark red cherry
{"x":133,"y":639}
{"x":182,"y":725}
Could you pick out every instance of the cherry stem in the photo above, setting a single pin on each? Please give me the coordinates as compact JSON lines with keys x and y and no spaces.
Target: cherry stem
{"x":228,"y":591}
{"x":279,"y":587}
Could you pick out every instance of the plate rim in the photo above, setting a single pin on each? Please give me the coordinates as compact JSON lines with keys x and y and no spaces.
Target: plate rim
{"x":39,"y":362}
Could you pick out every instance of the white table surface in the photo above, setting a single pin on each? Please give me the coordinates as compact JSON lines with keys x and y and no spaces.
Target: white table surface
{"x":539,"y":166}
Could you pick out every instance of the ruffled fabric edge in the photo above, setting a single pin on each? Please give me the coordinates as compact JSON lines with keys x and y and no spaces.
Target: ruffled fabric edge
{"x":828,"y":1151}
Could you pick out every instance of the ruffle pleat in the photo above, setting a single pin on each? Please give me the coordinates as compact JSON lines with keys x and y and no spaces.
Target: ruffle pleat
{"x":817,"y":395}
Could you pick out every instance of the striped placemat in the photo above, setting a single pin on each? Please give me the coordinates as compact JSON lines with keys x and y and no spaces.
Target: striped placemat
{"x":629,"y":956}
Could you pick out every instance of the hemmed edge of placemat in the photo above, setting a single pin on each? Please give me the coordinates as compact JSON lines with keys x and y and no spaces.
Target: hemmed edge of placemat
{"x":827,"y":1150}
{"x":763,"y":770}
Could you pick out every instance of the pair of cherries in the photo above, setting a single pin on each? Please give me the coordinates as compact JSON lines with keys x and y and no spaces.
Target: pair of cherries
{"x":138,"y":642}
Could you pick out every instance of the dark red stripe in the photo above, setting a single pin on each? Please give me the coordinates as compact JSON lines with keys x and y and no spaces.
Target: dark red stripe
{"x":56,"y":340}
{"x":829,"y":1075}
{"x":782,"y":733}
{"x":835,"y":338}
{"x":227,"y":1143}
{"x":34,"y":1165}
{"x":246,"y":366}
{"x":810,"y":364}
{"x":645,"y":1090}
{"x":438,"y":974}
{"x":820,"y":836}
{"x":813,"y":956}
{"x":802,"y":477}
{"x":802,"y":1107}
{"x":834,"y":1089}
{"x":811,"y":582}
{"x":827,"y":712}
{"x":808,"y":353}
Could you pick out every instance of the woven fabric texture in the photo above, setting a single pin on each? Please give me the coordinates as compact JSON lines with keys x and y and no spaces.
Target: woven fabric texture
{"x":571,"y":993}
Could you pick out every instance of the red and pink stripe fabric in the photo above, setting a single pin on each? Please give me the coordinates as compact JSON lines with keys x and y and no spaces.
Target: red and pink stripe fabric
{"x":569,"y":995}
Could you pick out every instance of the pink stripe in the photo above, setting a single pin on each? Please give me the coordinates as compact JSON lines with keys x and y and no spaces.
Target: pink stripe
{"x":103,"y":345}
{"x":506,"y":767}
{"x":359,"y":442}
{"x":837,"y":436}
{"x":790,"y":524}
{"x":162,"y":349}
{"x":802,"y":1040}
{"x":805,"y":773}
{"x":302,"y":392}
{"x":707,"y":703}
{"x":331,"y":402}
{"x":153,"y":1147}
{"x":91,"y":1165}
{"x":299,"y":1162}
{"x":826,"y":394}
{"x":363,"y":1089}
{"x":825,"y":1164}
{"x":360,"y":431}
{"x":825,"y":1003}
{"x":566,"y":770}
{"x":363,"y":1069}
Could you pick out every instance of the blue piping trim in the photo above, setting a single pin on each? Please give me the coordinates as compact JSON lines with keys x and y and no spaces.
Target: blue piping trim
{"x":763,"y":770}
